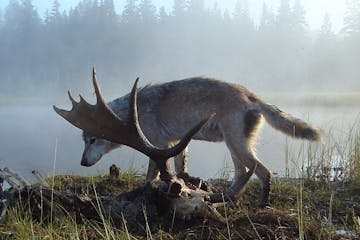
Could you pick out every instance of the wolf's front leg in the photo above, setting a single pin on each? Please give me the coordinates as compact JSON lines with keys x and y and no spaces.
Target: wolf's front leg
{"x":152,"y":172}
{"x":181,"y":161}
{"x":181,"y":168}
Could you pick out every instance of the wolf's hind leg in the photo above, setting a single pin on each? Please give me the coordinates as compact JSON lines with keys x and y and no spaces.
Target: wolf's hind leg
{"x":153,"y":171}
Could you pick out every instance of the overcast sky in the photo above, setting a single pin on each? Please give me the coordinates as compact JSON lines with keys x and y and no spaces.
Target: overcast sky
{"x":315,"y":9}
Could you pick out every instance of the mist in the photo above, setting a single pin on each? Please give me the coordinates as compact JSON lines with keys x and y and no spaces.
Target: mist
{"x":311,"y":74}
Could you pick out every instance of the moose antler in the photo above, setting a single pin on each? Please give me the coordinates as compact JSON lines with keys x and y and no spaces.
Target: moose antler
{"x":102,"y":122}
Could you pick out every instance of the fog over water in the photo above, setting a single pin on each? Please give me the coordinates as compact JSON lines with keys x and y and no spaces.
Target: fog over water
{"x":311,"y":74}
{"x":32,"y":134}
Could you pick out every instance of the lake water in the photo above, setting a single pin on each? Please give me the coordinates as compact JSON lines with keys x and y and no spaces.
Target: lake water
{"x":33,"y":136}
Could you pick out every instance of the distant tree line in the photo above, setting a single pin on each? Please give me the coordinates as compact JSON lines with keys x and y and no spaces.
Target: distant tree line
{"x":279,"y":52}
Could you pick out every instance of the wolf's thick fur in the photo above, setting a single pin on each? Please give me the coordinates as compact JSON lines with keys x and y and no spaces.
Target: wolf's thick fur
{"x":167,"y":111}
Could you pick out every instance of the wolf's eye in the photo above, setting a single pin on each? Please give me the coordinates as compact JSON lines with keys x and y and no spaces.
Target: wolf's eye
{"x":92,"y":140}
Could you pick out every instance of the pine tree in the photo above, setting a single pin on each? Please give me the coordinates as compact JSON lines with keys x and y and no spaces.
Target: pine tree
{"x":1,"y":18}
{"x":242,"y":17}
{"x":227,"y":17}
{"x":163,"y":16}
{"x":298,"y":21}
{"x":326,"y":31}
{"x":283,"y":20}
{"x":179,"y":8}
{"x":131,"y":12}
{"x":216,"y":13}
{"x":196,"y":8}
{"x":267,"y":19}
{"x":21,"y":40}
{"x":147,"y":12}
{"x":108,"y":8}
{"x":55,"y":10}
{"x":352,"y":17}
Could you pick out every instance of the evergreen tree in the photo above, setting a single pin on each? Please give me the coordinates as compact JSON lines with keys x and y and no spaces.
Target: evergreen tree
{"x":227,"y":17}
{"x":284,"y":20}
{"x":1,"y":19}
{"x":351,"y":55}
{"x":55,"y":11}
{"x":131,"y":14}
{"x":20,"y":44}
{"x":352,"y":17}
{"x":179,"y":8}
{"x":298,"y":18}
{"x":325,"y":56}
{"x":216,"y":13}
{"x":147,"y":12}
{"x":196,"y":8}
{"x":163,"y":16}
{"x":267,"y":19}
{"x":326,"y":31}
{"x":109,"y":8}
{"x":242,"y":18}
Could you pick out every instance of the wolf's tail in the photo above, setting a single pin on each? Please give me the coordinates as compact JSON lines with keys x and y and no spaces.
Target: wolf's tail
{"x":288,"y":124}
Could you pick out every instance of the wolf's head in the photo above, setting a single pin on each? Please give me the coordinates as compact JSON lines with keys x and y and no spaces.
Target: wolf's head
{"x":94,"y":149}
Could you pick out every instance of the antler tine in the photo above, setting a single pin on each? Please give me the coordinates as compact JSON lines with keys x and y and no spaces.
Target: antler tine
{"x":61,"y":112}
{"x":133,"y":114}
{"x":99,"y":96}
{"x":64,"y":113}
{"x":73,"y":101}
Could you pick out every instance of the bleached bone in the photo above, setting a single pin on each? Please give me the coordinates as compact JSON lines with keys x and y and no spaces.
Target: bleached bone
{"x":194,"y":205}
{"x":201,"y":203}
{"x":18,"y":177}
{"x":13,"y":182}
{"x":40,"y":178}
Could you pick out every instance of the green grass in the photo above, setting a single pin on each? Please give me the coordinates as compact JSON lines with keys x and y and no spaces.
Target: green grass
{"x":103,"y":184}
{"x":315,"y":205}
